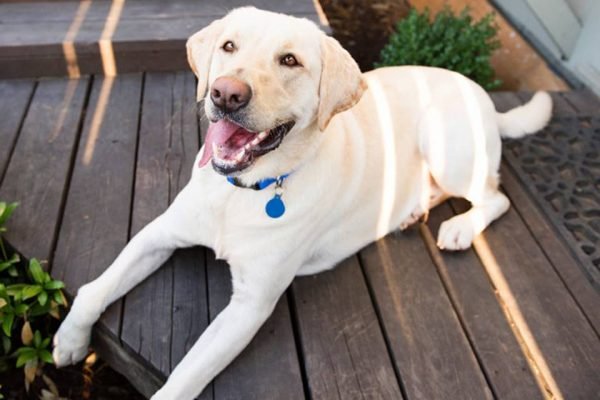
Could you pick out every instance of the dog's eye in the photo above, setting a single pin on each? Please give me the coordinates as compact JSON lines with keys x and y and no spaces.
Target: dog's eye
{"x":289,"y":61}
{"x":228,"y":46}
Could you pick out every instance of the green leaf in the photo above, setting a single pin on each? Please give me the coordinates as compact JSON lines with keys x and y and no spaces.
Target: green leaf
{"x":53,"y":285}
{"x":43,"y":298}
{"x":15,"y":289}
{"x":45,"y":356}
{"x":31,"y":291}
{"x":45,"y":343}
{"x":10,"y":262}
{"x":6,"y":211}
{"x":59,"y":297}
{"x":37,"y":309}
{"x":21,"y":309}
{"x":36,"y":270}
{"x":37,"y":339}
{"x":12,"y":271}
{"x":6,"y":344}
{"x":7,"y":323}
{"x":26,"y":354}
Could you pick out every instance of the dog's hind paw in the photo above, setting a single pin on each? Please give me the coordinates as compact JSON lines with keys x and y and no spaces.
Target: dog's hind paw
{"x":457,"y":233}
{"x":70,"y":343}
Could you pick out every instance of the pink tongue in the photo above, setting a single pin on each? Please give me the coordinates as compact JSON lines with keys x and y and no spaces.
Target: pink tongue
{"x":218,"y":133}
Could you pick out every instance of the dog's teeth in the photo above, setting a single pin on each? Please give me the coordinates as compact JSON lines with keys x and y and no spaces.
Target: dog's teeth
{"x":240,"y":155}
{"x":215,"y":148}
{"x":262,"y":135}
{"x":247,"y":147}
{"x":255,"y":142}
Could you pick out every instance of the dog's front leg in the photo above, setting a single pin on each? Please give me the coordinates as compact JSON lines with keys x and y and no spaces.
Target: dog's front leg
{"x":147,"y":251}
{"x":256,"y":290}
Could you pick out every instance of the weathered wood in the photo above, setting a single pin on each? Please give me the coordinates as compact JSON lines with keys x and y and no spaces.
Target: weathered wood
{"x":168,"y":142}
{"x":345,"y":352}
{"x":429,"y":347}
{"x":13,"y":112}
{"x":146,"y":380}
{"x":498,"y":350}
{"x":38,"y":171}
{"x":149,"y":35}
{"x":551,"y":320}
{"x":96,"y":218}
{"x":505,"y":101}
{"x":268,"y":368}
{"x":561,"y":107}
{"x":583,"y":101}
{"x":555,"y":249}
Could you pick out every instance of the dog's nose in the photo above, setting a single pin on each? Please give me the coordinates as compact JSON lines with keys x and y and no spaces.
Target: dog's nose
{"x":230,"y":94}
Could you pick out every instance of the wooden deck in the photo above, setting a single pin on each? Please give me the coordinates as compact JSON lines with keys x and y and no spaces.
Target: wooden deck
{"x":69,"y":38}
{"x":93,"y":160}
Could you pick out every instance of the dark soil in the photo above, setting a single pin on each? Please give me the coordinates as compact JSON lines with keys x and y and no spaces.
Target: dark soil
{"x":93,"y":381}
{"x":363,"y":26}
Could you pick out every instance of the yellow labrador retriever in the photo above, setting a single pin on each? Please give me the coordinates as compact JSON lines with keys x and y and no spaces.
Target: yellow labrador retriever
{"x":306,"y":160}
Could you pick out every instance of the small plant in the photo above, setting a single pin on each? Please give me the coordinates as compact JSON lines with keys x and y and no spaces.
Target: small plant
{"x":30,"y":302}
{"x":449,"y":41}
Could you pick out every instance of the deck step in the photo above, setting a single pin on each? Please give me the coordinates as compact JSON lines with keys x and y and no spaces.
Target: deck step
{"x":73,"y":38}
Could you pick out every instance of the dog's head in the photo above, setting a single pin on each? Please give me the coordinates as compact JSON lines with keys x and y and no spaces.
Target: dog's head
{"x":269,"y":81}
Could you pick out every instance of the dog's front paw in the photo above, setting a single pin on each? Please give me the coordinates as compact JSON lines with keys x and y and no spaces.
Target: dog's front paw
{"x":456,"y":234}
{"x":70,"y":342}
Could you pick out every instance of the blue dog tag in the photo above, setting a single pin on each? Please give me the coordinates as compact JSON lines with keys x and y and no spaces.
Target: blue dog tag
{"x":275,"y":207}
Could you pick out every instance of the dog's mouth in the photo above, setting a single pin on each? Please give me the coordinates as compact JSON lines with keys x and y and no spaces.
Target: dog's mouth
{"x":233,"y":148}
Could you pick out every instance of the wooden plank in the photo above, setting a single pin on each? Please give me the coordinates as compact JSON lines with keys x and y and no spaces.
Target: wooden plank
{"x":560,"y":340}
{"x":65,"y":11}
{"x":554,"y":248}
{"x":96,"y":219}
{"x":429,"y":347}
{"x":583,"y":101}
{"x":500,"y":355}
{"x":168,"y":143}
{"x":39,"y":168}
{"x":146,"y":380}
{"x":561,"y":107}
{"x":345,"y":352}
{"x":16,"y":95}
{"x":505,"y":101}
{"x":268,"y":368}
{"x":149,"y":35}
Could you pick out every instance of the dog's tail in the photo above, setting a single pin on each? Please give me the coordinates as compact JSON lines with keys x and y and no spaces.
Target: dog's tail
{"x":526,"y":119}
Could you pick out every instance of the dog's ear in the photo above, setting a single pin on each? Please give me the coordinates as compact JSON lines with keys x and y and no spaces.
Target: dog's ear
{"x":341,"y":84}
{"x":200,"y":47}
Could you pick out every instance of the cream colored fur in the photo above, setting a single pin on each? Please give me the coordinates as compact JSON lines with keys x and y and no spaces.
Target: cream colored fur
{"x":369,"y":153}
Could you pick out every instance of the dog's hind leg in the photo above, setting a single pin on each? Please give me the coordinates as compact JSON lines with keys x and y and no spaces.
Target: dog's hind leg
{"x":458,"y":232}
{"x":462,"y":147}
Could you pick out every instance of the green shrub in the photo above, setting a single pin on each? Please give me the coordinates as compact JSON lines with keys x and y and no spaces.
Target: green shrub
{"x":30,"y":302}
{"x":450,"y":41}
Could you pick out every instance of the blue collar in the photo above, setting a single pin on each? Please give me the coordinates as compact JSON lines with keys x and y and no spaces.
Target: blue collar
{"x":260,"y":185}
{"x":275,"y":207}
